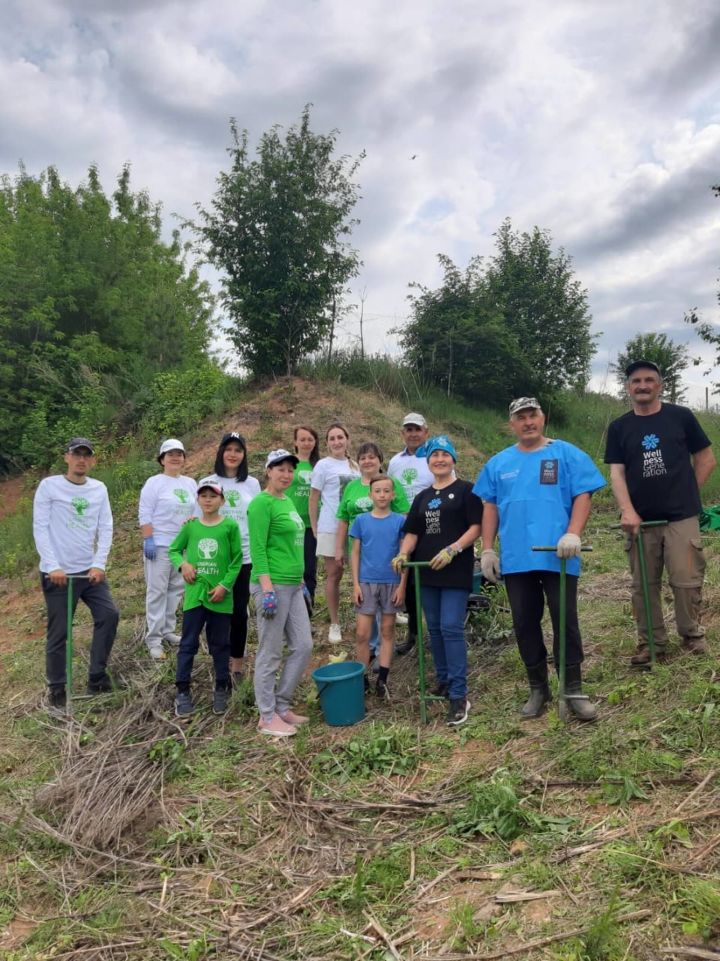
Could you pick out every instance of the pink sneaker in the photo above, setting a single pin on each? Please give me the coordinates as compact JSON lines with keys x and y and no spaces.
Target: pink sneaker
{"x":276,"y":727}
{"x":290,"y":717}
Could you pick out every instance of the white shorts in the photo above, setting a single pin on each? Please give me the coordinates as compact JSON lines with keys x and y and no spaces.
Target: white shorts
{"x":325,"y":545}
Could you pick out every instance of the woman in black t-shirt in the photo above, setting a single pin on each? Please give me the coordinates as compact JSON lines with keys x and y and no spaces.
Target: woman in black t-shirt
{"x":441,"y":527}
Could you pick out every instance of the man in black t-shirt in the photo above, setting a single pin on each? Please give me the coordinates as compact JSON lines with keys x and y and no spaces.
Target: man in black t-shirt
{"x":659,"y":459}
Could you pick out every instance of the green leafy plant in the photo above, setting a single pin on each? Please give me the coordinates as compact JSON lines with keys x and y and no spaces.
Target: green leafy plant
{"x":494,"y":809}
{"x":696,"y":906}
{"x":378,"y":749}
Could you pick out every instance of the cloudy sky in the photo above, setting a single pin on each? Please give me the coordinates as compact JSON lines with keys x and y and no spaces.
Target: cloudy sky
{"x":596,"y":119}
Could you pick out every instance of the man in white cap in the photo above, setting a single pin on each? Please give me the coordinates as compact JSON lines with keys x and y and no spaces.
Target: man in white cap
{"x":411,"y":469}
{"x":72,"y":528}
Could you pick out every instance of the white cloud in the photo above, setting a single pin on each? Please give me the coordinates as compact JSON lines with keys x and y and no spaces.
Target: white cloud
{"x":598,"y":121}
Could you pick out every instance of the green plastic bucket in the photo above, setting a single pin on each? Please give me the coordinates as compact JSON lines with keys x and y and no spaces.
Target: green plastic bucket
{"x":342,"y":692}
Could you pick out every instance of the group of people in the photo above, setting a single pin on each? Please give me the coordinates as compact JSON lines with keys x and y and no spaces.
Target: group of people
{"x":219,"y":541}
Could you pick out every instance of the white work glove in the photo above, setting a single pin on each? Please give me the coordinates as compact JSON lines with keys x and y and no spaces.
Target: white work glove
{"x":569,"y":546}
{"x":490,"y":566}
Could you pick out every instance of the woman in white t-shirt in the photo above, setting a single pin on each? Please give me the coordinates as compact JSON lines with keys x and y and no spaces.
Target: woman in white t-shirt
{"x":329,"y":478}
{"x":167,"y":500}
{"x":231,"y":472}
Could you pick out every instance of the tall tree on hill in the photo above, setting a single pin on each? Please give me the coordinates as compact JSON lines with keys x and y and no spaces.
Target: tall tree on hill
{"x":93,"y":303}
{"x":543,"y":305}
{"x":671,"y":357}
{"x":706,"y":330}
{"x":518,"y":324}
{"x":278,"y":229}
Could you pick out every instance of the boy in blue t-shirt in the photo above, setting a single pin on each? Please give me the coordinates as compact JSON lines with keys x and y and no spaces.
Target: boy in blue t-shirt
{"x":376,"y":540}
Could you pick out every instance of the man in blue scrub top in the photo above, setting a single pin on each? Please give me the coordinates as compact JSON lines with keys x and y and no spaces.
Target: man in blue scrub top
{"x":538,"y":492}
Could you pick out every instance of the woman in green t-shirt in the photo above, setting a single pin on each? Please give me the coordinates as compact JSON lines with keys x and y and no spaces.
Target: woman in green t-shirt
{"x":276,"y":584}
{"x":307,"y":447}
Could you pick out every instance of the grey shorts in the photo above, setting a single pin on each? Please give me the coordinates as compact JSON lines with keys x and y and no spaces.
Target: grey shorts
{"x":378,"y":597}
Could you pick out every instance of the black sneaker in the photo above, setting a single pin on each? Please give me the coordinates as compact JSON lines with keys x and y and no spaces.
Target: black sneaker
{"x":405,"y":648}
{"x":57,"y":700}
{"x":183,"y":704}
{"x":382,"y":690}
{"x":440,"y":689}
{"x":100,"y":685}
{"x":458,"y":711}
{"x":221,"y":698}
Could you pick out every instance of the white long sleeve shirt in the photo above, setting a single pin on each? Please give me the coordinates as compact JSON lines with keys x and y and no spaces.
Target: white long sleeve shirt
{"x":72,"y":524}
{"x":166,"y":503}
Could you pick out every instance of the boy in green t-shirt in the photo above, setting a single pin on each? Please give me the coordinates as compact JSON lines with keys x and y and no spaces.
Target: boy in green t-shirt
{"x":208,"y":553}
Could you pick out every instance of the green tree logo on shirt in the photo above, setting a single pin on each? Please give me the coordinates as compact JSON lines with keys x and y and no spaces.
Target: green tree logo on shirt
{"x":364,"y":504}
{"x":208,"y":548}
{"x":409,"y":475}
{"x":182,"y":495}
{"x":304,"y":477}
{"x":232,"y":497}
{"x":80,"y":505}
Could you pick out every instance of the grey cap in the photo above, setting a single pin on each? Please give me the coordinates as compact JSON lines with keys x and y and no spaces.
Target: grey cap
{"x":524,"y":403}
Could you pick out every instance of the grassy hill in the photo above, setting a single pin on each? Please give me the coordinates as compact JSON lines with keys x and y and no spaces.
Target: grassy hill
{"x":125,"y":835}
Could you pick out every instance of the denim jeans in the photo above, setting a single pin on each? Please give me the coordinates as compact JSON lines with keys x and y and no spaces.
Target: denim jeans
{"x":217,"y":628}
{"x":444,"y":609}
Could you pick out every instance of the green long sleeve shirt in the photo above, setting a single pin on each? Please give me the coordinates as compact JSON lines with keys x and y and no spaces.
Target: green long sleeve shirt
{"x":215,"y":551}
{"x":277,"y":537}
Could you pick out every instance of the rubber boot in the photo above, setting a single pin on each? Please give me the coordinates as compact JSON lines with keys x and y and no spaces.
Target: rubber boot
{"x":581,"y":706}
{"x":539,"y":692}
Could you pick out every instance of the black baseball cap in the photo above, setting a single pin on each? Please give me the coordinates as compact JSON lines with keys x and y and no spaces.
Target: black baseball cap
{"x":637,"y":364}
{"x":76,"y":443}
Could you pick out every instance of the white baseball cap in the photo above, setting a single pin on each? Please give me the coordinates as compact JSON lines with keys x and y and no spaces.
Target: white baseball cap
{"x":278,"y":456}
{"x":171,"y":444}
{"x":415,"y":419}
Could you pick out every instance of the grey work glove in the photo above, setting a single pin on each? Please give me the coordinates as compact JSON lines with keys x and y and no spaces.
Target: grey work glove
{"x":490,"y":566}
{"x":569,"y":546}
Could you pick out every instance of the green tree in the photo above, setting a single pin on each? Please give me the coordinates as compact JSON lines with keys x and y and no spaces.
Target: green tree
{"x":543,"y":305}
{"x":707,"y":331}
{"x":516,"y":325}
{"x":93,"y":304}
{"x":458,"y":341}
{"x":670,"y":357}
{"x":278,"y":229}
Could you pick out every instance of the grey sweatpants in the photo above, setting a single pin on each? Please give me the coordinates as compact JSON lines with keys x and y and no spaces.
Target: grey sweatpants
{"x":291,"y":624}
{"x":164,"y":589}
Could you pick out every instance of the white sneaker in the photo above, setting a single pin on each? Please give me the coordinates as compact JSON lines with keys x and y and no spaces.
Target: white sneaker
{"x":401,"y":618}
{"x":157,"y":654}
{"x":335,"y":634}
{"x":172,"y":639}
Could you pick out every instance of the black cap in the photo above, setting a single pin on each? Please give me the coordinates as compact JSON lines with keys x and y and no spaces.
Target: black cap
{"x":233,"y":436}
{"x":77,"y":442}
{"x":637,"y":364}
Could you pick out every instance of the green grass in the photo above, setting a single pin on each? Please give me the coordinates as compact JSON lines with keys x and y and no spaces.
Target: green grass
{"x":366,"y":818}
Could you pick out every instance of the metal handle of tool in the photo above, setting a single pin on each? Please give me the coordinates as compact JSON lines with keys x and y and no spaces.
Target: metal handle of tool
{"x":424,"y":696}
{"x":562,"y":626}
{"x":69,"y":641}
{"x":640,"y":544}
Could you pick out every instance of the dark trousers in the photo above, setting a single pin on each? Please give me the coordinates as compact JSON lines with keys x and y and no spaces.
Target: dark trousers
{"x":217,"y":629}
{"x":526,"y":593}
{"x":239,"y":619}
{"x":310,"y":575}
{"x":105,"y":621}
